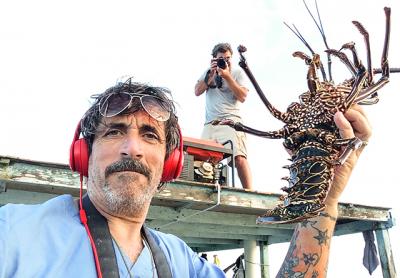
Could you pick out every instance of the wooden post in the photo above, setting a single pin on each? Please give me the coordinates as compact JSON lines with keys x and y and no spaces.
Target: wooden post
{"x":264,"y":259}
{"x":251,"y":258}
{"x":385,"y":253}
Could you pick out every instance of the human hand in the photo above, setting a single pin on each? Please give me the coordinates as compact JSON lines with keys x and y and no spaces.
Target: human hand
{"x":213,"y":67}
{"x":353,"y":123}
{"x":224,"y":73}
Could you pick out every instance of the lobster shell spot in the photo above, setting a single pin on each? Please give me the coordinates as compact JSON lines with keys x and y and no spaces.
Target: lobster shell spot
{"x":311,"y":152}
{"x":314,"y":180}
{"x":318,"y":167}
{"x":315,"y":190}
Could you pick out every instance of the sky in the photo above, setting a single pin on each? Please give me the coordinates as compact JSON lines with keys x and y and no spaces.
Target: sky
{"x":56,"y":54}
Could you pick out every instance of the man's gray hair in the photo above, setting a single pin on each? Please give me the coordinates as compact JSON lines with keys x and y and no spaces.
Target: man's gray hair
{"x":221,"y":47}
{"x":92,"y":117}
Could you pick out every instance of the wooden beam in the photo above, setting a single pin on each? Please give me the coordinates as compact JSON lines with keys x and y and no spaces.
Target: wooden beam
{"x":385,"y":253}
{"x":223,"y":229}
{"x":181,"y":208}
{"x":52,"y":178}
{"x":206,"y":241}
{"x":213,"y":248}
{"x":24,"y":197}
{"x":213,"y":234}
{"x":209,"y":217}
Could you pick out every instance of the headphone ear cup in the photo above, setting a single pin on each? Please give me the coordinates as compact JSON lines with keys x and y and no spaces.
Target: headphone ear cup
{"x":174,"y":163}
{"x":79,"y":154}
{"x":172,"y":166}
{"x":81,"y":157}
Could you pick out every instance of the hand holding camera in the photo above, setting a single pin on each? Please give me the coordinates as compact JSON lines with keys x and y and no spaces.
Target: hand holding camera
{"x":221,"y":63}
{"x":218,"y":70}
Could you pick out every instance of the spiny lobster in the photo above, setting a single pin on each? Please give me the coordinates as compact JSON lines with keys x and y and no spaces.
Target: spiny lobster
{"x":310,"y":133}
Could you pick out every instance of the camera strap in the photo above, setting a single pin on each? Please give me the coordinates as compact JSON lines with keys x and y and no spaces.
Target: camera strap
{"x":105,"y":249}
{"x":206,"y":79}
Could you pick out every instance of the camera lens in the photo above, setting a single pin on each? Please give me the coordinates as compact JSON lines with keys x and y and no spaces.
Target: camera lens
{"x":221,"y":63}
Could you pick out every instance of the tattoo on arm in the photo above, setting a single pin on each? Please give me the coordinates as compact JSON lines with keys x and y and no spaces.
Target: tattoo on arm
{"x":299,"y":263}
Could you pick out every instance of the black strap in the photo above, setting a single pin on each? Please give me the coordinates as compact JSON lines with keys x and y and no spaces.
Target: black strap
{"x":102,"y":239}
{"x":206,"y":79}
{"x":162,"y":267}
{"x":105,"y":249}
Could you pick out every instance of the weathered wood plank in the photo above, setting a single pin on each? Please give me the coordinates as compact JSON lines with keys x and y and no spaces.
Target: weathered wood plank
{"x":58,"y":179}
{"x":206,"y":241}
{"x":218,"y":228}
{"x":208,"y":217}
{"x":181,"y":208}
{"x":385,"y":253}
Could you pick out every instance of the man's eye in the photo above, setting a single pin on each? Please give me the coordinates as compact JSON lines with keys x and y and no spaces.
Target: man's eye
{"x":151,"y":136}
{"x":113,"y":132}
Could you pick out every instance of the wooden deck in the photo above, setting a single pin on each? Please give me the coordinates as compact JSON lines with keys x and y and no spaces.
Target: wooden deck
{"x":208,"y":219}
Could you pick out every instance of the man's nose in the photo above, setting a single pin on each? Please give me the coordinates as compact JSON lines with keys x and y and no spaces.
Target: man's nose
{"x":132,"y":147}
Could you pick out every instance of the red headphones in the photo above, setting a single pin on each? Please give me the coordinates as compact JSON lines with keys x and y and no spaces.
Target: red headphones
{"x":79,"y":158}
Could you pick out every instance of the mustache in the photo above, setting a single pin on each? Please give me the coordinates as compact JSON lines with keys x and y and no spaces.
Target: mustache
{"x":128,"y":164}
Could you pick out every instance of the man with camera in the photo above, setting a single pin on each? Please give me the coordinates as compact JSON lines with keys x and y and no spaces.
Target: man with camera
{"x":225,"y":91}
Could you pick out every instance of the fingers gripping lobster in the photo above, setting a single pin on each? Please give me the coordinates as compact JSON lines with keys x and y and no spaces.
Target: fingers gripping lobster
{"x":310,"y":133}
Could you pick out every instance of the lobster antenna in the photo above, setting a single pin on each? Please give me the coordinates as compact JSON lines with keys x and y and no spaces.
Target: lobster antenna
{"x":298,"y":34}
{"x":322,"y":32}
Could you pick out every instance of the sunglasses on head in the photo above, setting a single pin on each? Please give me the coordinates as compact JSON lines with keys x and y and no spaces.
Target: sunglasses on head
{"x":114,"y":104}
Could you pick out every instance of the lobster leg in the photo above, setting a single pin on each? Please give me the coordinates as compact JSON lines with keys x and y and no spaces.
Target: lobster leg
{"x":371,"y":90}
{"x":344,"y":59}
{"x":241,"y":127}
{"x":357,"y":88}
{"x":243,"y":64}
{"x":365,"y":34}
{"x":314,"y":63}
{"x":356,"y":61}
{"x":384,"y":63}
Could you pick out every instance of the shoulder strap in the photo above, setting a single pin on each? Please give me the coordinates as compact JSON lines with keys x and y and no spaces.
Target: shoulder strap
{"x":101,"y":235}
{"x":102,"y":238}
{"x":163,"y":270}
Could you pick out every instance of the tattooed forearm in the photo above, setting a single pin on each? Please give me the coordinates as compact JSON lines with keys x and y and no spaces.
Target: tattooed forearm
{"x":309,"y":248}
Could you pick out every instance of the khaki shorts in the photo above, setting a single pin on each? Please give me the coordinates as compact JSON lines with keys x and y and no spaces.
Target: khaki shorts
{"x":223,"y":133}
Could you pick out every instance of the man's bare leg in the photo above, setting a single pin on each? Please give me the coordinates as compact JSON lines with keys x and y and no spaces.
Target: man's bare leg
{"x":244,"y":173}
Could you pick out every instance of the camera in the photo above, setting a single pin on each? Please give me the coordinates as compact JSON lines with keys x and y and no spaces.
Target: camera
{"x":221,"y":63}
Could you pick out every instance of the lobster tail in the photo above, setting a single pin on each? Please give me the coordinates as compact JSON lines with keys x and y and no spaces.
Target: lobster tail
{"x":311,"y":174}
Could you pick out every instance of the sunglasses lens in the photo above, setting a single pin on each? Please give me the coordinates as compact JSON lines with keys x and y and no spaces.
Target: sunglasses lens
{"x":156,"y":108}
{"x":115,"y":104}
